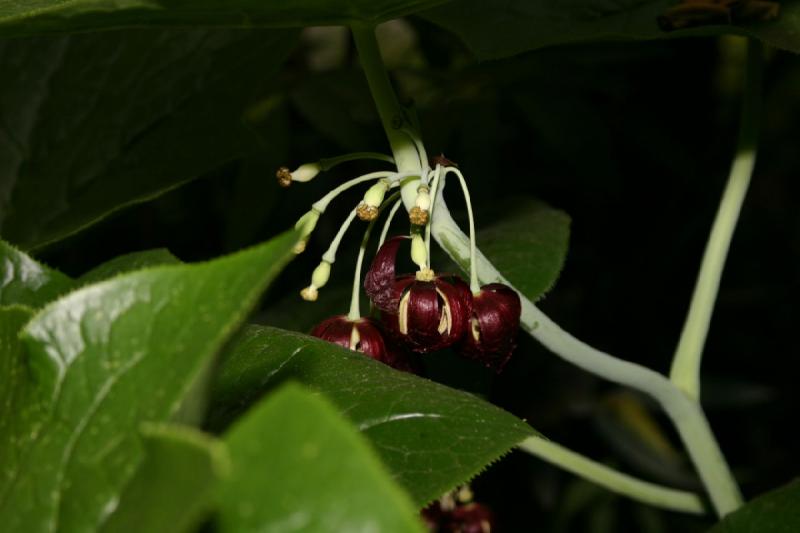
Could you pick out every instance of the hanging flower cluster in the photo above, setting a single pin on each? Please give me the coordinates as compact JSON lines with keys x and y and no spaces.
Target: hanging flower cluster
{"x":419,"y":312}
{"x":455,"y":512}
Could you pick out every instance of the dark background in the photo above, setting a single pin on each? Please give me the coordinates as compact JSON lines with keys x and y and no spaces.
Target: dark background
{"x":634,"y":142}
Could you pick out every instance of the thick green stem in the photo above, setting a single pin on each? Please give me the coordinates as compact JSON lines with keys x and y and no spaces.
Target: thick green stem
{"x":391,"y":114}
{"x":685,"y":413}
{"x":603,"y":475}
{"x":685,"y":372}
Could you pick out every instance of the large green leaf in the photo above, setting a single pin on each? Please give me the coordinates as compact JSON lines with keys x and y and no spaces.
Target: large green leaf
{"x":299,"y":466}
{"x":13,"y":370}
{"x":91,"y":123}
{"x":493,"y":30}
{"x":101,"y":361}
{"x":431,"y":437}
{"x":175,"y":486}
{"x":37,"y":16}
{"x":25,"y":281}
{"x":777,"y":511}
{"x":128,"y":263}
{"x":528,"y":245}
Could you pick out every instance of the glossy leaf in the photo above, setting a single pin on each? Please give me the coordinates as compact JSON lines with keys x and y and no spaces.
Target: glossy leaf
{"x":430,"y":436}
{"x":101,"y":361}
{"x":493,"y":31}
{"x":14,"y":373}
{"x":95,"y":122}
{"x":21,"y":18}
{"x":25,"y":281}
{"x":777,"y":511}
{"x":528,"y":245}
{"x":129,"y":263}
{"x":298,"y":465}
{"x":176,"y":485}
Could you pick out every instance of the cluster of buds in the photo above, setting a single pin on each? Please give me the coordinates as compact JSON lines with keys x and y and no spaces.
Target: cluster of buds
{"x":425,"y":312}
{"x":419,"y":312}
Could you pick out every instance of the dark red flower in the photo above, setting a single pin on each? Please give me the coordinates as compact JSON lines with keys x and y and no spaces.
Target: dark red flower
{"x":494,"y":323}
{"x":425,"y":311}
{"x":468,"y":518}
{"x":363,"y":335}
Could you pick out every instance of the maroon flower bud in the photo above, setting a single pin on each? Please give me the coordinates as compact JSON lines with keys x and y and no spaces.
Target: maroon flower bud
{"x":468,"y":518}
{"x":471,"y":518}
{"x":363,"y":335}
{"x":494,"y":323}
{"x":425,"y":311}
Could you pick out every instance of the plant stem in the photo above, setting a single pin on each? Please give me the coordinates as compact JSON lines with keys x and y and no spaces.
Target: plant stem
{"x":474,"y":286}
{"x":392,"y":117}
{"x":685,"y":372}
{"x":434,"y":186}
{"x":322,"y":204}
{"x":644,"y":491}
{"x":355,"y":297}
{"x":685,"y":413}
{"x":330,"y":254}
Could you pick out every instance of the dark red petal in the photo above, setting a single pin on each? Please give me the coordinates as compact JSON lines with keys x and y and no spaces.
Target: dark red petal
{"x":371,"y":342}
{"x":336,"y":329}
{"x":380,"y":277}
{"x":459,"y":298}
{"x":471,"y":518}
{"x":339,"y":329}
{"x":497,"y":311}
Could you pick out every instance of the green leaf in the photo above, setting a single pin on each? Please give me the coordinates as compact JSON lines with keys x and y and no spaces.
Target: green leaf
{"x":430,"y":436}
{"x":298,"y":465}
{"x":777,"y":511}
{"x":13,"y":372}
{"x":25,"y":281}
{"x":493,"y":31}
{"x":528,"y":245}
{"x":101,"y":361}
{"x":20,"y":18}
{"x":129,"y":263}
{"x":94,"y":122}
{"x":175,"y":486}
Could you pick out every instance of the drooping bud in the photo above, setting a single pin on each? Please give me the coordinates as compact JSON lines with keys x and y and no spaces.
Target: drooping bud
{"x":306,"y":172}
{"x":364,"y":336}
{"x":494,"y":324}
{"x":419,"y":252}
{"x":305,"y":225}
{"x":319,"y":278}
{"x":303,"y":173}
{"x":368,"y":208}
{"x":321,"y":274}
{"x":420,"y":213}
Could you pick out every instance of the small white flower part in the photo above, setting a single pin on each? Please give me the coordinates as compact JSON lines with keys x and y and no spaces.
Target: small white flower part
{"x":321,"y":274}
{"x":419,"y":252}
{"x":306,"y":172}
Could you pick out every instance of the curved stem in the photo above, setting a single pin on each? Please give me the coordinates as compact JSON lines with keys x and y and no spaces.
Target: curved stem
{"x":685,"y":413}
{"x":388,"y":222}
{"x":474,"y":286}
{"x":644,"y":491}
{"x":434,"y":187}
{"x":685,"y":371}
{"x":322,"y":204}
{"x":330,"y":254}
{"x":355,"y":297}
